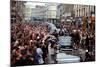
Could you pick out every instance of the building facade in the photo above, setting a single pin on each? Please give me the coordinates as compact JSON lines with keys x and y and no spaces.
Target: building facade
{"x":83,"y":10}
{"x":17,"y":12}
{"x":27,"y":12}
{"x":64,"y":11}
{"x":51,"y":12}
{"x":38,"y":12}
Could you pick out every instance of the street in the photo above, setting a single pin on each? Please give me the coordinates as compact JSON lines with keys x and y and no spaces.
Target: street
{"x":51,"y":33}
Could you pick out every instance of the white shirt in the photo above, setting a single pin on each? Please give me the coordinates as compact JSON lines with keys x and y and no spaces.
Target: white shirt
{"x":39,"y":51}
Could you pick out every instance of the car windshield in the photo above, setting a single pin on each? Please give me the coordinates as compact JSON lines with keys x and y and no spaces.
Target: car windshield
{"x":65,"y":40}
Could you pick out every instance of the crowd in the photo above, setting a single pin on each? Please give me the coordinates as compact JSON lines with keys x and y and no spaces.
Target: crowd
{"x":30,"y":42}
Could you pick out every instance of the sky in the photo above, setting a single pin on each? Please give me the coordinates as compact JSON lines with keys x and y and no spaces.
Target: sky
{"x":33,"y":4}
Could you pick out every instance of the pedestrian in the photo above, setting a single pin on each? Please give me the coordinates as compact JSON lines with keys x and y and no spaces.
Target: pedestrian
{"x":40,"y":53}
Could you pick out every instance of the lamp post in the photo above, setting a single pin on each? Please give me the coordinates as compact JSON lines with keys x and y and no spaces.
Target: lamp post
{"x":84,"y":19}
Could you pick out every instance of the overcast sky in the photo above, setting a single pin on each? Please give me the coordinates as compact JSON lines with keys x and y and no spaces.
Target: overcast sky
{"x":33,"y":4}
